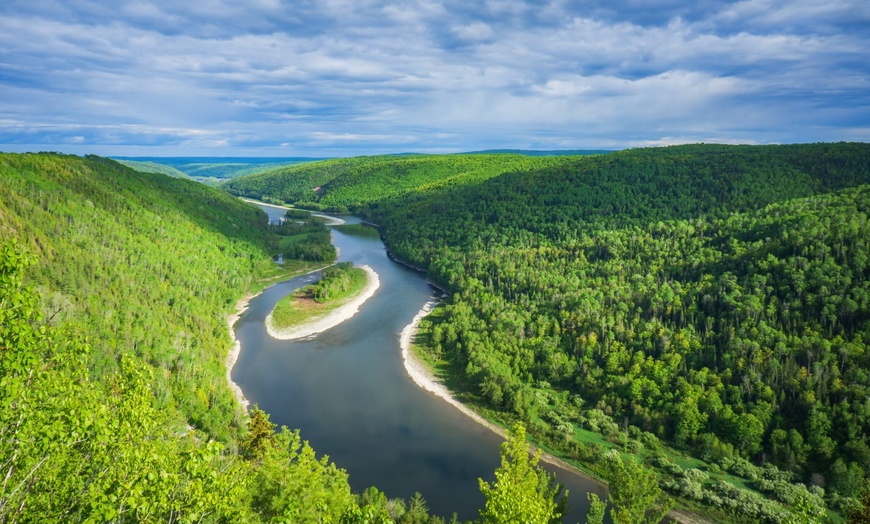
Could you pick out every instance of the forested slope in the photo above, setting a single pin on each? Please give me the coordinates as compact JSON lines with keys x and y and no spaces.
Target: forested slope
{"x":716,"y":298}
{"x":352,"y":182}
{"x":147,"y":166}
{"x":114,"y":407}
{"x":148,"y":265}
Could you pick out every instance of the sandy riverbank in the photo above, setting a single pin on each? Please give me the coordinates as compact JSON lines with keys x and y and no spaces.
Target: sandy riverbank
{"x":233,"y":356}
{"x":424,"y":378}
{"x":331,"y":319}
{"x":421,"y":375}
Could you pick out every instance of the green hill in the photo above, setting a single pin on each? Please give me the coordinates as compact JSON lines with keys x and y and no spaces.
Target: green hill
{"x":153,"y":167}
{"x":148,"y":265}
{"x":210,"y":170}
{"x":712,"y":298}
{"x":657,"y":290}
{"x":352,"y":182}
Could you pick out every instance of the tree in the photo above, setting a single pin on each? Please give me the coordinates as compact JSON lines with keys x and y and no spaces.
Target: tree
{"x":261,"y":433}
{"x":862,"y":516}
{"x":635,"y":493}
{"x":523,"y":493}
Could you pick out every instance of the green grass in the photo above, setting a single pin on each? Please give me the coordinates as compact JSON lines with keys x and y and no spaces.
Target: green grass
{"x":359,"y":230}
{"x":300,"y":307}
{"x":288,"y":241}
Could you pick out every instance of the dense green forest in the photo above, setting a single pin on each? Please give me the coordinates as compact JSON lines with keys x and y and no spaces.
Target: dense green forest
{"x":149,"y":265}
{"x":712,"y":298}
{"x":339,"y":184}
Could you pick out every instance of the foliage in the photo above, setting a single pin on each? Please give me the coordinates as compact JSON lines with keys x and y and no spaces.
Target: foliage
{"x":148,"y":266}
{"x":336,"y":282}
{"x":76,"y":450}
{"x":522,"y":492}
{"x":862,"y":514}
{"x":293,"y":485}
{"x":635,"y":494}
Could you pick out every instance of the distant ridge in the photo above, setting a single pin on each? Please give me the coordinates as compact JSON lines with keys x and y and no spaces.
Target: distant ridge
{"x":171,"y":160}
{"x":533,"y":152}
{"x":210,"y":169}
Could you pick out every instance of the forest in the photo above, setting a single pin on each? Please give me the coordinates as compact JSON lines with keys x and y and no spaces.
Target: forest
{"x":705,"y":300}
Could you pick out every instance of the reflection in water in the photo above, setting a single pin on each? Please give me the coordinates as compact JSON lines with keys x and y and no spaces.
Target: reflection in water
{"x":347,"y":390}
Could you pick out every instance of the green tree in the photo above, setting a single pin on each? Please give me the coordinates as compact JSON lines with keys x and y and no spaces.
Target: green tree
{"x":523,"y":493}
{"x":635,"y":493}
{"x":261,"y":433}
{"x":862,"y":515}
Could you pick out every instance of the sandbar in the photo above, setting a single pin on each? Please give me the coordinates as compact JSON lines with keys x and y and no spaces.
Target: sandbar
{"x":331,"y":319}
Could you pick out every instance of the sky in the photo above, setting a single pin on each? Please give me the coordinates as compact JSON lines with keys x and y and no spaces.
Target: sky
{"x":353,"y":77}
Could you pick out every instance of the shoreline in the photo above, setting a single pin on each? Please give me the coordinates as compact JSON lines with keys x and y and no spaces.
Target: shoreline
{"x":423,"y":377}
{"x":331,"y":319}
{"x":233,"y":356}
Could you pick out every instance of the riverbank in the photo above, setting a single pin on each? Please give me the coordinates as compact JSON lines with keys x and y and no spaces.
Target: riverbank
{"x":236,"y":313}
{"x":333,"y":318}
{"x":423,"y":377}
{"x":233,"y":356}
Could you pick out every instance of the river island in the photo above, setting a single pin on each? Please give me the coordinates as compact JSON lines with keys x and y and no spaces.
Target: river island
{"x":324,"y":304}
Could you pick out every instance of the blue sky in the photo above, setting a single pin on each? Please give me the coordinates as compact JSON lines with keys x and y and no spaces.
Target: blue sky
{"x":349,"y":77}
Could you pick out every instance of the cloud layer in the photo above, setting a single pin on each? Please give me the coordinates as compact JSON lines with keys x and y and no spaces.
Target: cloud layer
{"x":341,"y":77}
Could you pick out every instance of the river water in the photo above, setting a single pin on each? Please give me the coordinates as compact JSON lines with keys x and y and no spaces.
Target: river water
{"x":346,"y":389}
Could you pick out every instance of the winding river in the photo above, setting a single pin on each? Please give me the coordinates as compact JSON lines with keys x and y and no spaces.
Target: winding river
{"x":346,"y":389}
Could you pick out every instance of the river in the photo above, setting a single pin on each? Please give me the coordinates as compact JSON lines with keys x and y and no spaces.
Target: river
{"x":346,"y":389}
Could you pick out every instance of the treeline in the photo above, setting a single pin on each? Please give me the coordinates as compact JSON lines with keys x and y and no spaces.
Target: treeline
{"x":337,"y":281}
{"x":348,"y":183}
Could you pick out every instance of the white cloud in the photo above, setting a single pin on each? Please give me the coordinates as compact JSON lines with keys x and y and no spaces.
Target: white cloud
{"x":442,"y":74}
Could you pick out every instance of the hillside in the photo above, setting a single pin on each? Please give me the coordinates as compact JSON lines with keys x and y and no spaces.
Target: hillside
{"x":352,"y":182}
{"x":114,"y":292}
{"x":148,"y":265}
{"x":712,"y":298}
{"x":147,"y":166}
